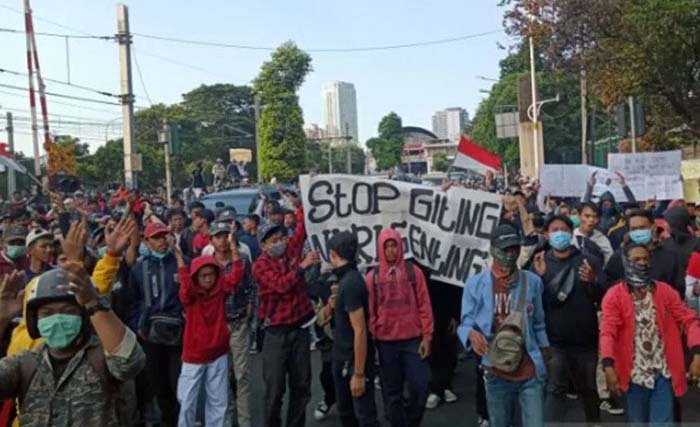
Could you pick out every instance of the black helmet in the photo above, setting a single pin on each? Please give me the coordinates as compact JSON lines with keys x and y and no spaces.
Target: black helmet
{"x":46,"y":290}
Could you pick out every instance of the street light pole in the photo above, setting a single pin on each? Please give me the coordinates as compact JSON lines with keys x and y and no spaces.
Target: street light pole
{"x":533,"y":85}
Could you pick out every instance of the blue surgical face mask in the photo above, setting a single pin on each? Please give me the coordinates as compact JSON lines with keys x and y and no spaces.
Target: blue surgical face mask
{"x":560,"y":240}
{"x":143,"y":250}
{"x":575,"y":220}
{"x":159,"y":255}
{"x":101,"y":252}
{"x":641,"y":237}
{"x":15,"y":251}
{"x":59,"y":330}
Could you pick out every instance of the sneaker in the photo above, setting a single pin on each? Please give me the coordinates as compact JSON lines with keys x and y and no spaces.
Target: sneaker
{"x":571,"y":396}
{"x":433,"y":401}
{"x":321,"y":411}
{"x":612,"y":407}
{"x":482,"y":422}
{"x":450,"y":397}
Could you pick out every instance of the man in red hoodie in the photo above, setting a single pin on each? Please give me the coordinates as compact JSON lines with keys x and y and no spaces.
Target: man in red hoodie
{"x":401,"y":321}
{"x":640,"y":341}
{"x":203,"y":292}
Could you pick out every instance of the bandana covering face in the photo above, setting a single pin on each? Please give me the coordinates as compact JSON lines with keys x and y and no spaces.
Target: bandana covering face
{"x":637,"y":274}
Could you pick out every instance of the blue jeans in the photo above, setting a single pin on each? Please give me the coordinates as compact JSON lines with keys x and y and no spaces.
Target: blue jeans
{"x":653,"y":407}
{"x":400,"y":364}
{"x":501,"y":396}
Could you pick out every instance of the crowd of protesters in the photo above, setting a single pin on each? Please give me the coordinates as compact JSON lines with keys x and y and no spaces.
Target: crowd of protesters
{"x":125,"y":309}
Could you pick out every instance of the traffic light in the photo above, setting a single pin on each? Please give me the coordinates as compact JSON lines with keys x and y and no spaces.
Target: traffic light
{"x":175,"y":145}
{"x":622,"y":118}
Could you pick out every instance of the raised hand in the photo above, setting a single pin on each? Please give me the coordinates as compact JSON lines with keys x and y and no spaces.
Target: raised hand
{"x":74,"y":243}
{"x":120,"y":236}
{"x":11,"y":295}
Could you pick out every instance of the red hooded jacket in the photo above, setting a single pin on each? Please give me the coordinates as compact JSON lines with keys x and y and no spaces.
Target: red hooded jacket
{"x":402,"y":310}
{"x":206,"y":331}
{"x":617,"y":332}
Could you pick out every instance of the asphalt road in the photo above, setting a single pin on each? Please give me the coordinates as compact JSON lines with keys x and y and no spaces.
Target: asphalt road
{"x":460,"y":413}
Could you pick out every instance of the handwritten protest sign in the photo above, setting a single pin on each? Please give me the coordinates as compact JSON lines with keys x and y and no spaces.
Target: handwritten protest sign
{"x":446,"y":231}
{"x":650,"y":175}
{"x":690,"y":169}
{"x":571,"y":180}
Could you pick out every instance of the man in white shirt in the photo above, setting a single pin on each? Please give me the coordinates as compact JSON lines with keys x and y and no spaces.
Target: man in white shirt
{"x":587,"y":233}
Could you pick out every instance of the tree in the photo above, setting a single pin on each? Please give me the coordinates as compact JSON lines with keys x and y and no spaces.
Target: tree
{"x":561,"y":120}
{"x":386,"y":148}
{"x":282,"y":139}
{"x":317,"y":157}
{"x":645,"y":48}
{"x":440,"y":162}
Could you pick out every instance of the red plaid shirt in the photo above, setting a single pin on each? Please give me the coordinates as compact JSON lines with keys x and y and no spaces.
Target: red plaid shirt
{"x":284,"y":299}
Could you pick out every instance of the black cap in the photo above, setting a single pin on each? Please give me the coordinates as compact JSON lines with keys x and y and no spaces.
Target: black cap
{"x":506,"y":236}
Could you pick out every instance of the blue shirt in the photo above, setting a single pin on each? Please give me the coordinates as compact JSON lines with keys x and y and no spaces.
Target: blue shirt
{"x":478,"y":313}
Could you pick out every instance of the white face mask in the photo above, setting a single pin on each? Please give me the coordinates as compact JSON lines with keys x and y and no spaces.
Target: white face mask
{"x":278,"y":249}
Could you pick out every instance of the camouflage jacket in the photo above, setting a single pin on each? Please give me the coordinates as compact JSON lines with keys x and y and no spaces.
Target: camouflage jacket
{"x":79,"y":398}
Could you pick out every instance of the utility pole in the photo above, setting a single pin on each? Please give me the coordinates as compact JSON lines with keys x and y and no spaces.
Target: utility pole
{"x":164,"y":139}
{"x":330,"y":156}
{"x":584,"y":117}
{"x":633,"y":131}
{"x":533,"y":85}
{"x":127,"y":94}
{"x":348,"y":139}
{"x":11,"y":183}
{"x":256,"y":106}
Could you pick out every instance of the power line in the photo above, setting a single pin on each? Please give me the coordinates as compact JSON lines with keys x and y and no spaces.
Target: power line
{"x":143,"y":83}
{"x":270,"y":48}
{"x":48,"y":21}
{"x":77,"y":86}
{"x":67,"y":104}
{"x":178,"y":63}
{"x":60,"y":95}
{"x":319,"y":50}
{"x":59,"y":116}
{"x":63,"y":36}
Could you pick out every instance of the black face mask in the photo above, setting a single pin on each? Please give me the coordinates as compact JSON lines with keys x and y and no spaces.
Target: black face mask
{"x":637,"y":275}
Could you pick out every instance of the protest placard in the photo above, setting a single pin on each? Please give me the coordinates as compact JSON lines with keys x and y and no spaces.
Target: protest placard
{"x":690,"y":169}
{"x":650,"y":175}
{"x":446,"y":231}
{"x":570,"y":180}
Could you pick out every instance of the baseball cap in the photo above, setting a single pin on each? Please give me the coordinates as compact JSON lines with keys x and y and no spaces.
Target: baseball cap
{"x":506,"y":236}
{"x":35,"y":235}
{"x":155,"y":228}
{"x":219,"y":227}
{"x":266,"y":230}
{"x":14,"y":232}
{"x":227,"y":215}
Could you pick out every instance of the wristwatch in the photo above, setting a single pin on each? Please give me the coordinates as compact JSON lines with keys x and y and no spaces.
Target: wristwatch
{"x":102,"y":304}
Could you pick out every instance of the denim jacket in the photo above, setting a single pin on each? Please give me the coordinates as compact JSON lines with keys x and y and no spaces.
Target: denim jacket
{"x":478,"y":309}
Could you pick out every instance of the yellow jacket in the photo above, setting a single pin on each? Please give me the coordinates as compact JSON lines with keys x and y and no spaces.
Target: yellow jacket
{"x":103,"y":277}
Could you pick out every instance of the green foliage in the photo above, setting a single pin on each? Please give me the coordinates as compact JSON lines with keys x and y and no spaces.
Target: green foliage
{"x":210,"y":120}
{"x":317,"y":153}
{"x":440,"y":162}
{"x":649,"y":49}
{"x":386,"y":148}
{"x":281,"y":137}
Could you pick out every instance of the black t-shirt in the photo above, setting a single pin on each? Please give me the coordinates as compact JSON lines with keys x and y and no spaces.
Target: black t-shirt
{"x":352,"y":295}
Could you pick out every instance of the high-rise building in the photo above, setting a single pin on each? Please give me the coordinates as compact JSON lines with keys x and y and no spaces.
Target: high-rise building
{"x":313,"y":131}
{"x":340,"y":110}
{"x":450,"y":123}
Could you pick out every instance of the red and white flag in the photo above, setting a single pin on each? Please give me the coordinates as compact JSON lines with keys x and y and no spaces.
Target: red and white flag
{"x":474,"y":157}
